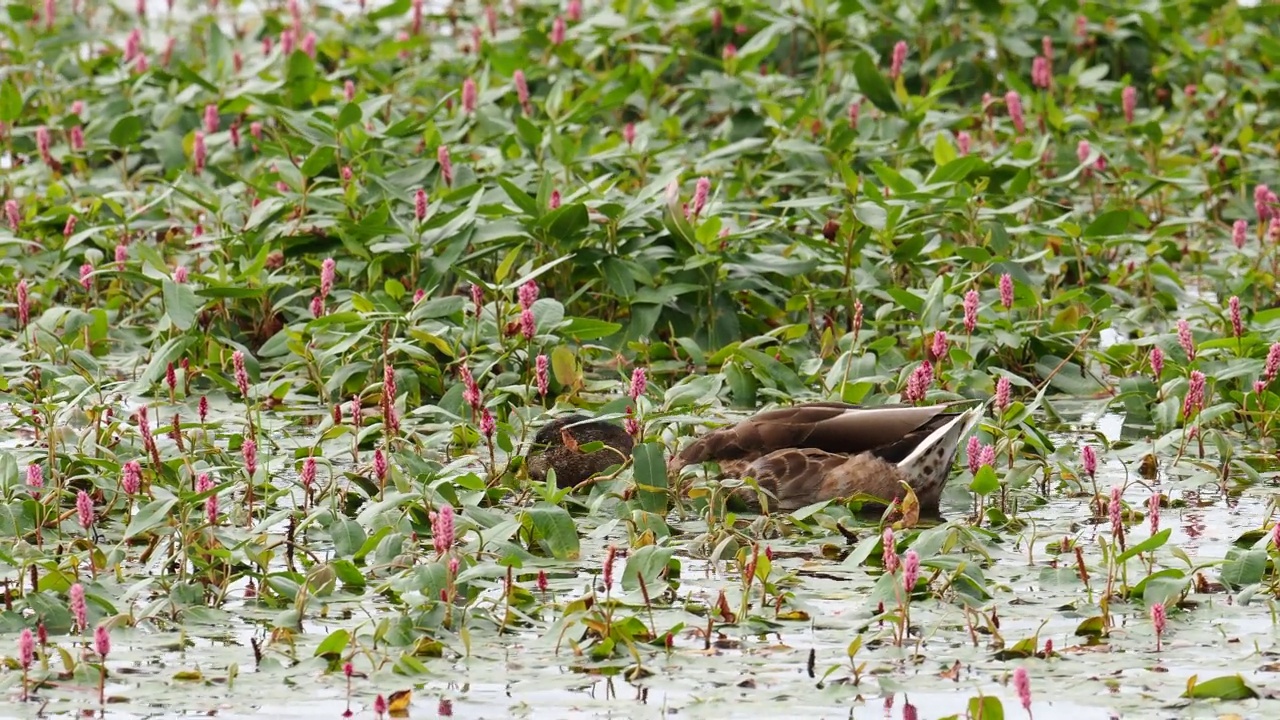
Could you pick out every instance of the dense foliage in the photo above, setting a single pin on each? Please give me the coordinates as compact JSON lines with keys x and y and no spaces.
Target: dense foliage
{"x":290,"y":288}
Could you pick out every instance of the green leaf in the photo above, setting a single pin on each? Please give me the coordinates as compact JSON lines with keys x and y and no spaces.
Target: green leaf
{"x":317,"y":161}
{"x":1229,"y":687}
{"x":180,"y":304}
{"x":150,"y":516}
{"x":589,"y":329}
{"x":651,"y":477}
{"x":10,"y":102}
{"x":986,"y":707}
{"x":348,"y":116}
{"x":647,"y":562}
{"x":985,"y":482}
{"x":1147,"y":545}
{"x":333,"y":645}
{"x":872,"y":83}
{"x":553,"y":526}
{"x":126,"y":131}
{"x":1110,"y":223}
{"x":1244,"y":568}
{"x":347,"y":536}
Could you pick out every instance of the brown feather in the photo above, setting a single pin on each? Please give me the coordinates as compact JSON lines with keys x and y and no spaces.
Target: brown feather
{"x":802,"y":476}
{"x":890,"y":431}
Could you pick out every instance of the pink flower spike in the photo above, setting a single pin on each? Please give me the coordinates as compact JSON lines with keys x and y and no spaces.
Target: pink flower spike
{"x":1237,"y":324}
{"x":1272,"y":366}
{"x":1158,"y":621}
{"x":1041,"y":73}
{"x":1089,"y":459}
{"x":1153,"y":512}
{"x":327,"y":271}
{"x":938,"y":349}
{"x":541,"y":376}
{"x":79,"y":610}
{"x":1157,"y":361}
{"x":639,"y":380}
{"x":1195,"y":398}
{"x":13,"y":214}
{"x":629,"y":133}
{"x":86,"y":276}
{"x":1129,"y":101}
{"x":889,"y":551}
{"x":1114,"y":514}
{"x":442,"y":536}
{"x":528,"y":324}
{"x":609,"y":556}
{"x":26,"y":649}
{"x":910,"y":571}
{"x":23,"y":299}
{"x":1014,"y":103}
{"x":701,"y":191}
{"x":199,"y":153}
{"x":974,"y":452}
{"x":446,"y":164}
{"x":349,"y":91}
{"x":469,"y":94}
{"x":241,"y":374}
{"x":43,"y":142}
{"x":527,"y":294}
{"x":1022,"y":685}
{"x":1006,"y":290}
{"x":210,"y":118}
{"x":84,"y":509}
{"x":102,"y":641}
{"x":1186,"y":341}
{"x":522,"y":91}
{"x":131,"y":477}
{"x":249,"y":449}
{"x":918,"y":383}
{"x":557,"y":30}
{"x":971,"y":311}
{"x":420,"y":205}
{"x":963,"y":142}
{"x":487,"y":424}
{"x":898,"y":59}
{"x":1239,"y":233}
{"x":35,"y":476}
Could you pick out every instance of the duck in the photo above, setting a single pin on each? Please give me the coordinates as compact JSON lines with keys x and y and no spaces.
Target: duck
{"x":820,"y":451}
{"x":798,"y":455}
{"x":556,"y":447}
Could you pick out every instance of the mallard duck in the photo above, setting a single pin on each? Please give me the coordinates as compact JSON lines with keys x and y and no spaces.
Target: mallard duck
{"x":556,"y":447}
{"x":799,"y":455}
{"x":828,"y":450}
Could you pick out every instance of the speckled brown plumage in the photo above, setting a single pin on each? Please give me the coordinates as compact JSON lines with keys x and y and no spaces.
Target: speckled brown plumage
{"x":571,"y":465}
{"x":829,"y":450}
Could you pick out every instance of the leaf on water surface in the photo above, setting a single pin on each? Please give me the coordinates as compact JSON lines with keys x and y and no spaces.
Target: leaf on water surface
{"x":554,"y":528}
{"x":1229,"y":687}
{"x":334,"y":645}
{"x":1244,"y":568}
{"x":986,"y":707}
{"x":150,"y":516}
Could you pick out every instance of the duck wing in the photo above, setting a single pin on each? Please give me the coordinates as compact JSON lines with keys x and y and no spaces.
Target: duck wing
{"x":796,"y":477}
{"x":889,"y":431}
